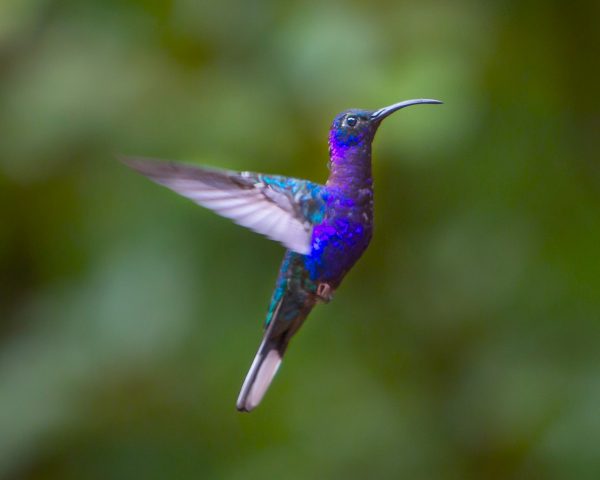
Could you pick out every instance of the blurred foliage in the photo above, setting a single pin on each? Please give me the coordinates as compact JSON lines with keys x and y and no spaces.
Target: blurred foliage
{"x":464,"y":345}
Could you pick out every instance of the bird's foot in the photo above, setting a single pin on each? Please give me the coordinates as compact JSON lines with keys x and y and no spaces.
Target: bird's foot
{"x":324,"y":292}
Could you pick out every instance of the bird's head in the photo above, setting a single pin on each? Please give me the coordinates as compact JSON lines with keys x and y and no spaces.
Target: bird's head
{"x":356,"y":127}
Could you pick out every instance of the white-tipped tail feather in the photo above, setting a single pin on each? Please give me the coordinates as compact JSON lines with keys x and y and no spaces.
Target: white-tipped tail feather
{"x":261,"y":374}
{"x":272,"y":348}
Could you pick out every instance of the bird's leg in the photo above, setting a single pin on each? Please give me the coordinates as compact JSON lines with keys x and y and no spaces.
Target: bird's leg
{"x":324,"y":292}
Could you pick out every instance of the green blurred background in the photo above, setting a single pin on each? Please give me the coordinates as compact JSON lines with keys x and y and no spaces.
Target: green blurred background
{"x":464,"y":345}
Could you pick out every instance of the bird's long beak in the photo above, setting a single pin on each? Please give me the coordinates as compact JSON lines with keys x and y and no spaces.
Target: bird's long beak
{"x":387,"y":111}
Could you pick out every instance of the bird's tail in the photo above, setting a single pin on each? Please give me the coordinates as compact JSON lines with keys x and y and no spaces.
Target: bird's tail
{"x":268,"y":358}
{"x":261,"y":373}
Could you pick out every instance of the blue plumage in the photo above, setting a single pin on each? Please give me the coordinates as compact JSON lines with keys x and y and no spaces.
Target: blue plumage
{"x":326,"y":228}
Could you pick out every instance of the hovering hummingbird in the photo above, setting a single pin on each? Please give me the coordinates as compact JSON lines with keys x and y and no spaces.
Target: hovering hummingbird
{"x":325,"y":228}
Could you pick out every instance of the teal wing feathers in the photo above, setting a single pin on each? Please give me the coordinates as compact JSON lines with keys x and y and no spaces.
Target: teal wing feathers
{"x":281,"y":208}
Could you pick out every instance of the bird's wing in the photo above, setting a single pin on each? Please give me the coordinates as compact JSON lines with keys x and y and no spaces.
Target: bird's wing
{"x":284,"y":209}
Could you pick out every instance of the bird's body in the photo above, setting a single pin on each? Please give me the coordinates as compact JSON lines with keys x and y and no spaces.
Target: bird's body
{"x":325,"y":227}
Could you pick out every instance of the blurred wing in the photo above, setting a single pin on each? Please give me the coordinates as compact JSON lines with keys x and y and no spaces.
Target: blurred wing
{"x":284,"y":209}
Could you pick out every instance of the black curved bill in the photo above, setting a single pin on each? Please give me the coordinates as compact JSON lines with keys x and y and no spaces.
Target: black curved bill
{"x":386,"y":111}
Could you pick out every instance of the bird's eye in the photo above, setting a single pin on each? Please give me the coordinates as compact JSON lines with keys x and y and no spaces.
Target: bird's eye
{"x":351,"y":120}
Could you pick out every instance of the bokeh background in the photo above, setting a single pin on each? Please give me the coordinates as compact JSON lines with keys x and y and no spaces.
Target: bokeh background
{"x":464,"y":345}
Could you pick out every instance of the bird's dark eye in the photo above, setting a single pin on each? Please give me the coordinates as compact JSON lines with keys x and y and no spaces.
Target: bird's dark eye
{"x":351,"y":120}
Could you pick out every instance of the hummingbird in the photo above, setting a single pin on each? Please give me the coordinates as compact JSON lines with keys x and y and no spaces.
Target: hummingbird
{"x":325,"y":228}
